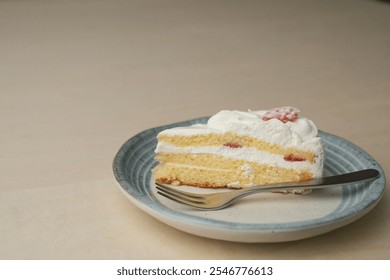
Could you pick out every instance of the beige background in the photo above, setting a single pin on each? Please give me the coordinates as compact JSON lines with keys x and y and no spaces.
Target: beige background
{"x":78,"y":78}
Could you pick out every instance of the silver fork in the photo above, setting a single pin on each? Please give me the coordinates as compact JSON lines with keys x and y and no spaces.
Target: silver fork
{"x":216,"y":201}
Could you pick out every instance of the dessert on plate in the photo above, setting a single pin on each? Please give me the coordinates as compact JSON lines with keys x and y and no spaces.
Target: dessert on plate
{"x":237,"y":149}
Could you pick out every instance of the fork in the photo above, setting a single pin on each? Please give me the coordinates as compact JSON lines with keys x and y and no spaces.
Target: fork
{"x":216,"y":201}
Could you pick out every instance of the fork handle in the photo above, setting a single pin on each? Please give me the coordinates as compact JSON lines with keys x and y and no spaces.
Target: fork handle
{"x":318,"y":183}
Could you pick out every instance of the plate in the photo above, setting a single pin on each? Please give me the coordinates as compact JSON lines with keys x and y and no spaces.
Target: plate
{"x":263,"y":217}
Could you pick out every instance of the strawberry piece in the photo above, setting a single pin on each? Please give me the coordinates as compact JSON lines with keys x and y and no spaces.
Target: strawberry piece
{"x":292,"y":157}
{"x":232,"y":145}
{"x":284,"y":114}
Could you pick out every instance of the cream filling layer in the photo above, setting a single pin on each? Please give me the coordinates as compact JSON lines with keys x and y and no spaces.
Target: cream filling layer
{"x":245,"y":153}
{"x":197,"y":167}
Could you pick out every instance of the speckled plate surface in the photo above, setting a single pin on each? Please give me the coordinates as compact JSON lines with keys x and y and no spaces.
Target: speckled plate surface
{"x":258,"y":218}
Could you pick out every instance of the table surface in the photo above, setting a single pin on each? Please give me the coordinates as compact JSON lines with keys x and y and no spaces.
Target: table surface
{"x":78,"y":78}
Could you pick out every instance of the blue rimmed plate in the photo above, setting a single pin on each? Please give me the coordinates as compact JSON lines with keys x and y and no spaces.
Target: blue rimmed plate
{"x":258,"y":218}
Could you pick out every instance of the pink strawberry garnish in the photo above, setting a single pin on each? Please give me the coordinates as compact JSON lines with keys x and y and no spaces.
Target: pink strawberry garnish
{"x":284,"y":114}
{"x":292,"y":157}
{"x":232,"y":145}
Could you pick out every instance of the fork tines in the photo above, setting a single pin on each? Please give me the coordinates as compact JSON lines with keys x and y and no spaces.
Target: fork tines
{"x":180,"y":196}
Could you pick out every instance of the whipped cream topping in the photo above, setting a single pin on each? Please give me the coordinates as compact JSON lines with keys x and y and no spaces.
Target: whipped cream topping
{"x":300,"y":133}
{"x":251,"y":123}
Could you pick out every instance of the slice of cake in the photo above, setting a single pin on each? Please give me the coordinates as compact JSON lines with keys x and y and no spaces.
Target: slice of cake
{"x":240,"y":149}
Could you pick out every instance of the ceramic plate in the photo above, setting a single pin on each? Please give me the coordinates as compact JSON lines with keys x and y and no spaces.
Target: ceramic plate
{"x":263,"y":217}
